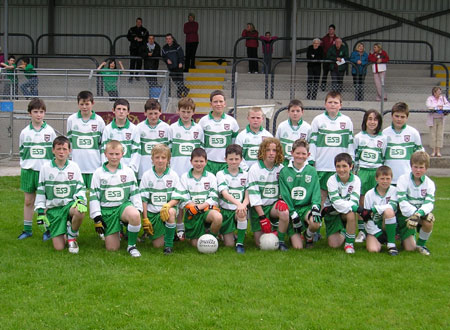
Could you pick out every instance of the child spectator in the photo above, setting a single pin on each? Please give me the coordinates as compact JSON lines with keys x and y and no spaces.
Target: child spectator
{"x":11,"y":88}
{"x":415,"y":192}
{"x":220,"y":131}
{"x":151,"y":54}
{"x":300,"y":189}
{"x":402,"y":141}
{"x":29,"y":88}
{"x":251,"y":137}
{"x":62,"y":192}
{"x":115,"y":197}
{"x":267,"y":49}
{"x":233,"y":198}
{"x":35,"y":148}
{"x":110,"y":77}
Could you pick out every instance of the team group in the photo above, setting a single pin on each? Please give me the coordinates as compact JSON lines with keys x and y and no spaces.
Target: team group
{"x":187,"y":179}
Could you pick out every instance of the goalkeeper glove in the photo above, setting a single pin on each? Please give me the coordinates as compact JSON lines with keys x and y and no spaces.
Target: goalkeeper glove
{"x":211,"y":207}
{"x":327,"y":209}
{"x":413,"y":221}
{"x":148,"y":227}
{"x":191,"y":210}
{"x":315,"y":214}
{"x":80,"y":205}
{"x":281,"y":205}
{"x":42,"y":222}
{"x":366,"y":214}
{"x":296,"y":222}
{"x":164,"y":213}
{"x":99,"y":225}
{"x":265,"y":224}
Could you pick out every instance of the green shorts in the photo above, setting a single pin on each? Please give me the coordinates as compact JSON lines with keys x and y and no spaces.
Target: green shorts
{"x":403,"y":231}
{"x":334,"y":224}
{"x":195,"y":227}
{"x":323,"y":179}
{"x":87,"y":178}
{"x":228,"y":221}
{"x":367,"y":177}
{"x":158,"y":226}
{"x":111,"y":217}
{"x":215,"y":167}
{"x":29,"y":180}
{"x":58,"y":216}
{"x":254,"y":220}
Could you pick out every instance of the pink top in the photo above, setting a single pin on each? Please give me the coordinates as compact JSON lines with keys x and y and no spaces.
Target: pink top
{"x":432,"y":103}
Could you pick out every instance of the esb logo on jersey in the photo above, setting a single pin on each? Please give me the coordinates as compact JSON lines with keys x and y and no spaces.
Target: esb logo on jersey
{"x":298,"y":193}
{"x":333,"y":140}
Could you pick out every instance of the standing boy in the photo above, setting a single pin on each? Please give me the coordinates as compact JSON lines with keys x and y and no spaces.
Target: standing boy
{"x":115,"y":197}
{"x":233,"y":198}
{"x":35,"y":148}
{"x":62,"y":192}
{"x":220,"y":131}
{"x":251,"y":137}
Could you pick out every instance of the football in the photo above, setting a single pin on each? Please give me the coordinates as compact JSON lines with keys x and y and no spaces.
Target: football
{"x":207,"y":244}
{"x":268,"y":242}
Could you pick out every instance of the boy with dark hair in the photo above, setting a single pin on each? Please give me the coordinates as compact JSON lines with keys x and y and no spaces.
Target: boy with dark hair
{"x":10,"y":88}
{"x":29,"y":88}
{"x":173,"y":55}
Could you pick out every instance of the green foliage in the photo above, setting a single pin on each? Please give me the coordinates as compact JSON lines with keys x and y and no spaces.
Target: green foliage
{"x":312,"y":289}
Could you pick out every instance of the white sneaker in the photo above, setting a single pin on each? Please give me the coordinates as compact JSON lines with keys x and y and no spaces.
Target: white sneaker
{"x":349,"y":249}
{"x":101,"y":236}
{"x":73,"y":247}
{"x":180,"y":235}
{"x":423,"y":250}
{"x":361,"y":237}
{"x":133,"y":251}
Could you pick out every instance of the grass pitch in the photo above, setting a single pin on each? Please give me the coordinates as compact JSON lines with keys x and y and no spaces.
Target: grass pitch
{"x":314,"y":289}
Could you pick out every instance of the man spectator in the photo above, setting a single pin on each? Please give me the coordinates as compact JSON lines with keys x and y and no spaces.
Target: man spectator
{"x":338,"y":53}
{"x":137,"y":36}
{"x":173,"y":55}
{"x":327,"y":41}
{"x":150,"y":54}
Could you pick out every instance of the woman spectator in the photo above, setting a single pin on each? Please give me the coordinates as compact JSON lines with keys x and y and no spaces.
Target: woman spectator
{"x":360,"y":58}
{"x":315,"y":52}
{"x":379,"y":58}
{"x":252,"y":46}
{"x":191,"y":32}
{"x":435,"y":120}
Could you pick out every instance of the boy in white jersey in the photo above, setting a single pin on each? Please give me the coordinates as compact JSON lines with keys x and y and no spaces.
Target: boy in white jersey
{"x":197,"y":194}
{"x":380,"y":205}
{"x":341,"y":205}
{"x":402,"y":141}
{"x":35,"y":148}
{"x":115,"y":197}
{"x":124,"y":131}
{"x":331,"y":134}
{"x":152,"y":131}
{"x":84,"y":130}
{"x":264,"y":192}
{"x":300,"y":189}
{"x":415,"y":192}
{"x":220,"y":131}
{"x":62,"y":192}
{"x":251,"y":137}
{"x":233,"y":198}
{"x":293,"y":129}
{"x":156,"y":187}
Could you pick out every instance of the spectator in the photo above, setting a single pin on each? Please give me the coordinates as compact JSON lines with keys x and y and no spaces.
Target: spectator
{"x":173,"y":55}
{"x":338,"y":53}
{"x":252,"y":46}
{"x":360,"y":58}
{"x":10,"y":88}
{"x":29,"y":88}
{"x":137,"y":35}
{"x":379,"y":58}
{"x":110,"y":77}
{"x":2,"y":55}
{"x":267,"y":48}
{"x":435,"y":119}
{"x":315,"y":52}
{"x":191,"y":32}
{"x":328,"y":40}
{"x":151,"y":52}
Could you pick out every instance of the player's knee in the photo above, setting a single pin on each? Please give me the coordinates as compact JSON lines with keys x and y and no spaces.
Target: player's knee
{"x":427,"y":226}
{"x":314,"y":226}
{"x":389,"y":213}
{"x":373,"y":249}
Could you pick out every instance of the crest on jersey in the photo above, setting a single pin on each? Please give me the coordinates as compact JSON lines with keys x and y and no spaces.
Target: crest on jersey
{"x":70,"y":175}
{"x":308,"y":178}
{"x":407,"y":138}
{"x":350,"y":189}
{"x":290,"y":179}
{"x":206,"y":185}
{"x":379,"y":143}
{"x":94,"y":128}
{"x":123,"y":178}
{"x":302,"y":136}
{"x":226,"y":127}
{"x":423,"y":192}
{"x":195,"y":135}
{"x":169,"y":183}
{"x":47,"y":137}
{"x":243,"y":181}
{"x":161,"y":134}
{"x":128,"y":136}
{"x":342,"y":125}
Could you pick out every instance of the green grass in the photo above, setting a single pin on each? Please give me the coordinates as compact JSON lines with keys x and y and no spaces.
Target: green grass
{"x":313,"y":289}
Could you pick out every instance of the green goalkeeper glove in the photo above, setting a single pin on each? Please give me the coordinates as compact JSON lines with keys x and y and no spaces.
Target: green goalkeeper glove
{"x":43,"y":222}
{"x":80,"y":205}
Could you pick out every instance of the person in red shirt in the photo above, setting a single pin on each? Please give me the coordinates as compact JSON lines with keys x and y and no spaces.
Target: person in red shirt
{"x":379,"y":58}
{"x":191,"y":32}
{"x":327,"y":41}
{"x":267,"y":48}
{"x":252,"y":46}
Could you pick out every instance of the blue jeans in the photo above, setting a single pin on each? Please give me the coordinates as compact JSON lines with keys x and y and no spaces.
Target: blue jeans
{"x":30,"y":87}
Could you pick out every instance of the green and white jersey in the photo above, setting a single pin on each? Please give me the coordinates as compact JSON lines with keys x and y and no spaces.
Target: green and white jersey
{"x":150,"y":136}
{"x":218,"y":135}
{"x":59,"y":186}
{"x":414,"y":198}
{"x":130,"y":139}
{"x":330,"y":137}
{"x":250,"y":142}
{"x":198,"y":191}
{"x":85,"y":137}
{"x":112,"y":189}
{"x":234,"y":184}
{"x":184,"y":140}
{"x":343,"y":195}
{"x":299,"y":187}
{"x":35,"y":146}
{"x":288,"y":133}
{"x":157,"y":190}
{"x":370,"y":149}
{"x":263,"y":187}
{"x":400,"y":147}
{"x":375,"y":202}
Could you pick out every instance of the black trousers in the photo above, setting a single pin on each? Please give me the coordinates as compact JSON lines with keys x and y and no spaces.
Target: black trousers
{"x":358,"y":83}
{"x":135,"y":64}
{"x":191,"y":50}
{"x":313,"y":82}
{"x":252,"y":52}
{"x":326,"y":69}
{"x":337,"y":80}
{"x":178,"y":80}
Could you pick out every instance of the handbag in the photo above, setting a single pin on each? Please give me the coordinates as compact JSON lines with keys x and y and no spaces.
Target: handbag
{"x":381,"y":67}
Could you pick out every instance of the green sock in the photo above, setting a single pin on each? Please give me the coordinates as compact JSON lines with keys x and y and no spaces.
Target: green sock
{"x":241,"y":231}
{"x":390,"y":232}
{"x":169,"y":233}
{"x":349,"y":238}
{"x":361,"y":226}
{"x":27,"y":226}
{"x":132,"y":238}
{"x":281,"y":236}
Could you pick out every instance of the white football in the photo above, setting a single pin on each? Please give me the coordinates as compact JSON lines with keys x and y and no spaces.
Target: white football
{"x":207,"y":244}
{"x":268,"y":242}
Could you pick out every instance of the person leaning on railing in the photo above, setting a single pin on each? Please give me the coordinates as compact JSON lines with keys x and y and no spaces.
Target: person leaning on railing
{"x":435,"y":119}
